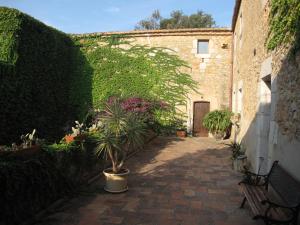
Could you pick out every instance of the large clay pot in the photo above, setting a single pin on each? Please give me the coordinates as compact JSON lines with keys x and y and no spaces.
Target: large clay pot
{"x":219,"y":135}
{"x":116,"y":183}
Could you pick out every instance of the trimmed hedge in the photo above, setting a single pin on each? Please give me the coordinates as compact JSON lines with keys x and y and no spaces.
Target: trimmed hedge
{"x":45,"y":81}
{"x":30,"y":183}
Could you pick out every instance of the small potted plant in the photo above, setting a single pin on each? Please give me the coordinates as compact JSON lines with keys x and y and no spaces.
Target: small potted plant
{"x":77,"y":133}
{"x":181,"y":129}
{"x":29,"y":146}
{"x":217,"y":123}
{"x":119,"y":133}
{"x":238,"y":156}
{"x":29,"y":141}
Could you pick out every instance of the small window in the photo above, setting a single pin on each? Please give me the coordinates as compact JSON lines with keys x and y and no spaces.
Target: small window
{"x":202,"y":47}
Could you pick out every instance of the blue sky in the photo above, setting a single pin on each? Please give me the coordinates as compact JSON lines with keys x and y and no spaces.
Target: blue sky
{"x":78,"y":16}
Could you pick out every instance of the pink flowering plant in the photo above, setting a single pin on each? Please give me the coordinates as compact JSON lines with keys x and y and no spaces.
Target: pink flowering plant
{"x":143,"y":108}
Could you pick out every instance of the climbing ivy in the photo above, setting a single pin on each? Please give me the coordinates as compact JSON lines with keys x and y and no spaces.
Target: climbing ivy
{"x":284,"y":24}
{"x":126,"y":69}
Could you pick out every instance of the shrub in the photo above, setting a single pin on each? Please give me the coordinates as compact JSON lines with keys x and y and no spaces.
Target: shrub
{"x":217,"y":121}
{"x":41,"y":75}
{"x":29,"y":186}
{"x":32,"y":184}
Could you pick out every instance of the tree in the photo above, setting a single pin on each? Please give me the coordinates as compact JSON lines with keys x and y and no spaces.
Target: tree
{"x":177,"y":20}
{"x":201,"y":19}
{"x":151,"y":23}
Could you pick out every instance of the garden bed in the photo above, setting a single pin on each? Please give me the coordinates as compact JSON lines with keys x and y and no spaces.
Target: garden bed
{"x":29,"y":185}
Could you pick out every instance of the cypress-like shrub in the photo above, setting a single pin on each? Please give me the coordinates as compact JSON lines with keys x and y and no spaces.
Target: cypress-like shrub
{"x":42,"y":83}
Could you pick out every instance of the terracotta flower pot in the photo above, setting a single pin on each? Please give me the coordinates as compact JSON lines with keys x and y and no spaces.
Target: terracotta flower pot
{"x":181,"y":133}
{"x":116,"y":183}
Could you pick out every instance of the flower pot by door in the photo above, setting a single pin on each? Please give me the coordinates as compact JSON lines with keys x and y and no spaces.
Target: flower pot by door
{"x":181,"y":133}
{"x":116,"y":183}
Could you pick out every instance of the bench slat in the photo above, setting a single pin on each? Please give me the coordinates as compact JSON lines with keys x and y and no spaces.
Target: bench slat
{"x":252,"y":199}
{"x":255,"y":195}
{"x":283,"y":189}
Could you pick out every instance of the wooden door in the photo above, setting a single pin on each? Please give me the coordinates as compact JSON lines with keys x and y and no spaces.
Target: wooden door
{"x":200,"y":110}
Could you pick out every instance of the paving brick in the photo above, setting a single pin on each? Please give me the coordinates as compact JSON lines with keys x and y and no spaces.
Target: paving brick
{"x":173,"y":181}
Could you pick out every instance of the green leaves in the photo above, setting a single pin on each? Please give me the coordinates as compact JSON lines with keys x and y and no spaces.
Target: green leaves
{"x":121,"y":132}
{"x":217,"y":121}
{"x":125,"y":69}
{"x":176,"y":20}
{"x":284,"y":23}
{"x":45,"y":80}
{"x":135,"y":131}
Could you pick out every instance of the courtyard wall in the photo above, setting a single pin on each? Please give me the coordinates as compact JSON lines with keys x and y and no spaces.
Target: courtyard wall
{"x":211,"y":71}
{"x":265,"y":85}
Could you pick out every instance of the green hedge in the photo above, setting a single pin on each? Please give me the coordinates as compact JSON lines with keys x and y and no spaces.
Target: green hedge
{"x":31,"y":182}
{"x":45,"y":81}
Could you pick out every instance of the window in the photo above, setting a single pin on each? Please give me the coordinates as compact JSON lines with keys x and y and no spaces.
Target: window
{"x":202,"y":47}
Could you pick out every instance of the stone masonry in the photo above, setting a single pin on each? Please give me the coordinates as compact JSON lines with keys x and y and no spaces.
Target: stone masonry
{"x":211,"y":71}
{"x":239,"y":72}
{"x":266,"y":88}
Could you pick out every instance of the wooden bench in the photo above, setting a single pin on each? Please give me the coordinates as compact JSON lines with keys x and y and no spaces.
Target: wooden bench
{"x":274,"y":198}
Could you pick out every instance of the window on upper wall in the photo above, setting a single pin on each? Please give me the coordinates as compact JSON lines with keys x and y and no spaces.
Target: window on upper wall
{"x":203,"y":47}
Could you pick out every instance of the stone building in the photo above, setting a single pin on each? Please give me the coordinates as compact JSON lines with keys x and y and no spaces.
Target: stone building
{"x":265,"y":91}
{"x":235,"y":70}
{"x":208,"y":53}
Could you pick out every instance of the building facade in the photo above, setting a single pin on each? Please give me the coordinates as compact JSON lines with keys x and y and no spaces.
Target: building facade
{"x":265,"y":91}
{"x":209,"y":56}
{"x":235,"y":70}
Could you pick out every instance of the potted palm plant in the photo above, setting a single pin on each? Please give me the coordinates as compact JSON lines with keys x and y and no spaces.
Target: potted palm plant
{"x":217,"y":122}
{"x":121,"y":131}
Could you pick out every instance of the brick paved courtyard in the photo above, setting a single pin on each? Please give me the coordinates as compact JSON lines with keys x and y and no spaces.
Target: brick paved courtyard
{"x":172,"y":181}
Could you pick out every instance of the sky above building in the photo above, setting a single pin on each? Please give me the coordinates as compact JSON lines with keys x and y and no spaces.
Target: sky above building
{"x":79,"y":16}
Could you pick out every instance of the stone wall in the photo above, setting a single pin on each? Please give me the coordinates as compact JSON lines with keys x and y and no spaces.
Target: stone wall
{"x":211,"y":71}
{"x":265,"y":92}
{"x":249,"y":53}
{"x":284,"y":143}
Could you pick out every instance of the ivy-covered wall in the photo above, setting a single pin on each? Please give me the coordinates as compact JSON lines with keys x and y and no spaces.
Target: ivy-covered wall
{"x":44,"y":78}
{"x":121,"y":67}
{"x":48,"y":79}
{"x":284,"y":24}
